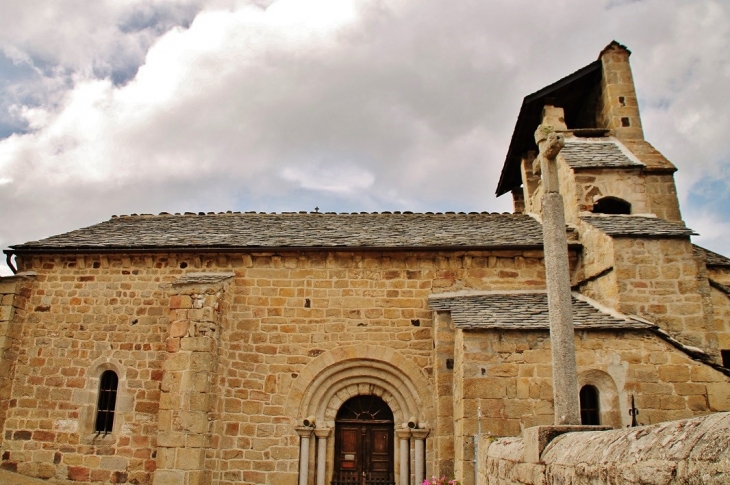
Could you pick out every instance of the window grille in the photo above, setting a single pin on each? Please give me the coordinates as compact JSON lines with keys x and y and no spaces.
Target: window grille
{"x":107,"y":402}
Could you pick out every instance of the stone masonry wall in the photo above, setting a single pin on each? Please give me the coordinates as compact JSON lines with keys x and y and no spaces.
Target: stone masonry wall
{"x":509,"y":375}
{"x":444,"y":384}
{"x":657,"y":279}
{"x":14,"y":292}
{"x":463,"y":444}
{"x":660,"y":280}
{"x":196,"y":309}
{"x":593,"y":184}
{"x":84,"y":316}
{"x":288,"y":309}
{"x":720,"y":276}
{"x":596,"y":273}
{"x":721,"y":312}
{"x":89,"y":314}
{"x":618,"y":107}
{"x":680,"y":452}
{"x":661,"y":192}
{"x":531,"y":185}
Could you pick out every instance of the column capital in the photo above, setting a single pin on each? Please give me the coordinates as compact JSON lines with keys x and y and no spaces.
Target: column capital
{"x":322,"y":432}
{"x":304,"y":431}
{"x":403,"y":433}
{"x":420,"y":434}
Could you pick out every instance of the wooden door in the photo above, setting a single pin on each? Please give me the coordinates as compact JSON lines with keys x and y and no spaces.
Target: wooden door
{"x":364,"y":445}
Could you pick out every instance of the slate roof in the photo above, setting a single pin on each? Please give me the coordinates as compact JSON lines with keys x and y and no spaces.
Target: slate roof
{"x":524,"y":311}
{"x":637,"y":226}
{"x":596,"y":154}
{"x":298,"y":230}
{"x":570,"y":93}
{"x":712,"y":258}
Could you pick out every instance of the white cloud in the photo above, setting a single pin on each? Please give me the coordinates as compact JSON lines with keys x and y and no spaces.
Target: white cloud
{"x":344,"y":104}
{"x":342,"y":180}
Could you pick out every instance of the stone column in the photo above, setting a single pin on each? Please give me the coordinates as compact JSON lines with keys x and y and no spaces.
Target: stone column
{"x":322,"y":434}
{"x":404,"y":436}
{"x":565,"y":381}
{"x":420,"y":446}
{"x":183,"y":434}
{"x":304,"y":432}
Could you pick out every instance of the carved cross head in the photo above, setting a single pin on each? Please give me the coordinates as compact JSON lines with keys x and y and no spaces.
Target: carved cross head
{"x":554,"y":143}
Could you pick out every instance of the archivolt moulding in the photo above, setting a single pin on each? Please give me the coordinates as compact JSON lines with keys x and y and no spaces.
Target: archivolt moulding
{"x":335,"y":376}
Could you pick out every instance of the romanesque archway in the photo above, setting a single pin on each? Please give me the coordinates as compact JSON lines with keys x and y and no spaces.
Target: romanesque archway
{"x":334,"y":377}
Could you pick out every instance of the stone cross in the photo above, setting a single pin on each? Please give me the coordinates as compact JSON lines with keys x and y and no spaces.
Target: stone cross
{"x":555,"y":243}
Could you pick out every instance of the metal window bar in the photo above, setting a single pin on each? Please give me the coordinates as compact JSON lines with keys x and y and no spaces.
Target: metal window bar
{"x":107,"y":402}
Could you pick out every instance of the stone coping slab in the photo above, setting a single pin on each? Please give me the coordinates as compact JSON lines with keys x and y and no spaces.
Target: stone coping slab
{"x":537,"y":438}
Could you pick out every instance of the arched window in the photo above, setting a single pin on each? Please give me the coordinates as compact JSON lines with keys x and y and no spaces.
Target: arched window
{"x":589,"y":409}
{"x":107,"y":402}
{"x":612,"y":205}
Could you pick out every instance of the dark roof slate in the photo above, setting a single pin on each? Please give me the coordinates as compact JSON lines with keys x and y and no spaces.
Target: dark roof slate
{"x":596,"y":154}
{"x":524,"y":311}
{"x":712,"y":258}
{"x":299,"y":230}
{"x":637,"y":226}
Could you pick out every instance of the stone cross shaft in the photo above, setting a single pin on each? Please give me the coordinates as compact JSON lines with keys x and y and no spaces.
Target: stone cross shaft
{"x":555,"y":243}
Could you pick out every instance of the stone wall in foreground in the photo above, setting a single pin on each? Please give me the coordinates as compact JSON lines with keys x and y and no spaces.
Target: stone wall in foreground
{"x":689,"y":451}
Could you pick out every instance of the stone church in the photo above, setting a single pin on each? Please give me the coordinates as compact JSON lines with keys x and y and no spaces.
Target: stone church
{"x":364,"y":348}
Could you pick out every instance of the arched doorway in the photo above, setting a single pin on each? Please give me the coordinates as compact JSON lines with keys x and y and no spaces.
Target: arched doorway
{"x":364,"y":442}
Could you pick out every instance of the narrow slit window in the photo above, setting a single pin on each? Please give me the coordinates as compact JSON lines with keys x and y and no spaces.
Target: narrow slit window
{"x":107,"y":402}
{"x":589,"y":409}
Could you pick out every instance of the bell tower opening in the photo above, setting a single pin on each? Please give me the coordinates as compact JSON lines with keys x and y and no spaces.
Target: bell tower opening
{"x":612,"y":205}
{"x":364,"y":445}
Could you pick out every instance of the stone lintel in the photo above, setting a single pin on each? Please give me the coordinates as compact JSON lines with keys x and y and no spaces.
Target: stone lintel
{"x":537,"y":438}
{"x":202,"y":278}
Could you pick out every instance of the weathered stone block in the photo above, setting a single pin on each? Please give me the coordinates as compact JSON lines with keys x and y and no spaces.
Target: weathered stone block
{"x":537,"y":438}
{"x":718,"y":395}
{"x":169,"y":477}
{"x":114,"y":463}
{"x":198,"y":344}
{"x":179,"y":328}
{"x":181,"y":301}
{"x":190,"y":458}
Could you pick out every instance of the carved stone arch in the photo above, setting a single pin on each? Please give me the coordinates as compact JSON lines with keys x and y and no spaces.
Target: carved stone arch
{"x":608,"y":397}
{"x":335,"y":376}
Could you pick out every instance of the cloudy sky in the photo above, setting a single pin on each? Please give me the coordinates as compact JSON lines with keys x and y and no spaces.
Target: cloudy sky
{"x":142,"y":106}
